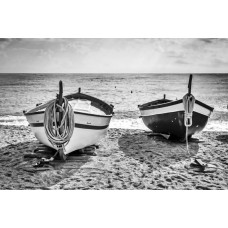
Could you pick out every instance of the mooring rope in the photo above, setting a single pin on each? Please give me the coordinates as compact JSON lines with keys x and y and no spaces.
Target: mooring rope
{"x":59,"y":135}
{"x":188,"y":102}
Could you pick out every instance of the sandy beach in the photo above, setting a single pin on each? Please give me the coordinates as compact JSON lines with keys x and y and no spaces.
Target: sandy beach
{"x":125,"y":159}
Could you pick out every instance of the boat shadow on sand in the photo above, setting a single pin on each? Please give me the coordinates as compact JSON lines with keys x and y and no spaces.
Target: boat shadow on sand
{"x":156,"y":151}
{"x":18,"y":169}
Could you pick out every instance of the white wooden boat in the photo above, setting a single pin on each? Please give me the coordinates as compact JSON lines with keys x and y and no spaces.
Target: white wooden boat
{"x":91,"y":116}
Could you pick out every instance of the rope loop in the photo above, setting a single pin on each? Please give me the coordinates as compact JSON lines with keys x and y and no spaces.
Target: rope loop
{"x":188,"y":101}
{"x":59,"y":135}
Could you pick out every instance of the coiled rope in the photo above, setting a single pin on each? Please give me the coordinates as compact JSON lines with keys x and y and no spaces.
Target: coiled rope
{"x":59,"y":134}
{"x":188,"y":102}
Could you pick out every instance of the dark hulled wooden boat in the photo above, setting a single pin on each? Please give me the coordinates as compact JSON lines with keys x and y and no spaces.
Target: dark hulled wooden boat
{"x":168,"y":117}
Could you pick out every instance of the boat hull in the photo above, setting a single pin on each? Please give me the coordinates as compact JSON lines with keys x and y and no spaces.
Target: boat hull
{"x":168,"y":118}
{"x":173,"y":124}
{"x":88,"y":130}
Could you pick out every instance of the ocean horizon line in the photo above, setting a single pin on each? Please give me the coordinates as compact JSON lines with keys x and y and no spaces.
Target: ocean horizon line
{"x":211,"y":73}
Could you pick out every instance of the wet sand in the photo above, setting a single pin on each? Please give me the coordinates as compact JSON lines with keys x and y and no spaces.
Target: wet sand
{"x":125,"y":159}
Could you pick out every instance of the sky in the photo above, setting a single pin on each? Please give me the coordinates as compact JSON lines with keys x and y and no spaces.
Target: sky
{"x":79,"y":55}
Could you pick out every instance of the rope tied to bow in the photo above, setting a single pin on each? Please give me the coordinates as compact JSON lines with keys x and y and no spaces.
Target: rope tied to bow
{"x":59,"y":134}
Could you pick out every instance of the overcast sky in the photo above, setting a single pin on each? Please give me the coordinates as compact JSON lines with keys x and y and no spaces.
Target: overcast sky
{"x":113,"y":55}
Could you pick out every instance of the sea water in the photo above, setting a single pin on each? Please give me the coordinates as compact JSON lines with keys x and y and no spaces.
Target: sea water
{"x":20,"y":92}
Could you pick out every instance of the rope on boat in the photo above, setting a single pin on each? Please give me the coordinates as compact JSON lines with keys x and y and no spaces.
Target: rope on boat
{"x":59,"y":134}
{"x":188,"y":101}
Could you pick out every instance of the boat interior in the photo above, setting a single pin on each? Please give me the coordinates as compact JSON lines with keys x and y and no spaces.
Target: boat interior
{"x":86,"y":103}
{"x":157,"y":102}
{"x":81,"y":103}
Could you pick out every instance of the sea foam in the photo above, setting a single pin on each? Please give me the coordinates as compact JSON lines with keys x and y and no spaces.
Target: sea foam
{"x":126,"y":123}
{"x":13,"y":120}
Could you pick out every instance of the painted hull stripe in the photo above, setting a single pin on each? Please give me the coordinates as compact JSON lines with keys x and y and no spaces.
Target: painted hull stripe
{"x":175,"y":108}
{"x":76,"y":125}
{"x":147,"y":106}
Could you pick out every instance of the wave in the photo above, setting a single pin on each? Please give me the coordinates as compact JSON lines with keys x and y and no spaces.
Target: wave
{"x":13,"y":120}
{"x":216,"y":125}
{"x":125,"y":123}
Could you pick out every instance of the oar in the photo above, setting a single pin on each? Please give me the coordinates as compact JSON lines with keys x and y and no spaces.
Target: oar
{"x":190,"y":85}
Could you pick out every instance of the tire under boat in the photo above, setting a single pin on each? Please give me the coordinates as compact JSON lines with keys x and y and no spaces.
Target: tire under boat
{"x":167,"y":117}
{"x":91,"y":116}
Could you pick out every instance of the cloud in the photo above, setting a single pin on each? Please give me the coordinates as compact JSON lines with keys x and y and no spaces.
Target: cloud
{"x":4,"y":39}
{"x":3,"y":43}
{"x":207,"y":40}
{"x":113,"y":55}
{"x":217,"y":62}
{"x":179,"y":61}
